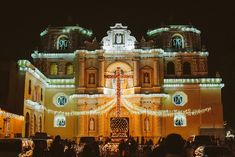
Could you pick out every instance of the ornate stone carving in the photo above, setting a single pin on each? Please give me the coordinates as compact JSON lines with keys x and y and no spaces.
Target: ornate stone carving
{"x":118,"y":39}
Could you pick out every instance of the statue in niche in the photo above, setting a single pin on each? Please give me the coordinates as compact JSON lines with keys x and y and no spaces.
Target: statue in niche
{"x":91,"y":124}
{"x":146,"y":124}
{"x":118,"y":38}
{"x":202,"y":66}
{"x":91,"y":78}
{"x":146,"y":78}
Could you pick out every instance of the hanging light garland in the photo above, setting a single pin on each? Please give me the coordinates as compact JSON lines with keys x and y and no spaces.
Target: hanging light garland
{"x":99,"y":110}
{"x":11,"y":115}
{"x":129,"y":106}
{"x":162,"y":113}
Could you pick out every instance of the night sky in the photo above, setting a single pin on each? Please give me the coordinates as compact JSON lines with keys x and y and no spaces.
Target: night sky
{"x":21,"y":24}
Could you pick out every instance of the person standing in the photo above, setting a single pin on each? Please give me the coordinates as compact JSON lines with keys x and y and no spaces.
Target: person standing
{"x":57,"y":148}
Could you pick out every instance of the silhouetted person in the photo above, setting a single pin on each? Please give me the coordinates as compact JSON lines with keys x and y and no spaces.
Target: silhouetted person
{"x":87,"y":151}
{"x":96,"y":148}
{"x":38,"y":150}
{"x":70,"y":151}
{"x":133,"y":148}
{"x":159,"y":151}
{"x":142,"y":140}
{"x":57,"y":148}
{"x":174,"y":146}
{"x":122,"y":148}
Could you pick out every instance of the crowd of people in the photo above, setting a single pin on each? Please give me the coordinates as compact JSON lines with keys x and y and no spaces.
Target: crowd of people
{"x":171,"y":146}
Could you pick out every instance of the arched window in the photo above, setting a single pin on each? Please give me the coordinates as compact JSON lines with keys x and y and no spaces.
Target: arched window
{"x":40,"y":124}
{"x":30,"y":87}
{"x":34,"y":124}
{"x":53,"y":69}
{"x":27,"y":124}
{"x":91,"y":124}
{"x":177,"y":41}
{"x":69,"y":69}
{"x":170,"y":68}
{"x":62,"y":42}
{"x":41,"y":94}
{"x":186,"y":68}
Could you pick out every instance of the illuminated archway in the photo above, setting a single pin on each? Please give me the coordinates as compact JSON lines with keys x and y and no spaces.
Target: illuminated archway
{"x":177,"y":41}
{"x":62,"y":42}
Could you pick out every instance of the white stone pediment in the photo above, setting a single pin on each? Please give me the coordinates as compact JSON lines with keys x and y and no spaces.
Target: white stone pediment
{"x":119,"y":39}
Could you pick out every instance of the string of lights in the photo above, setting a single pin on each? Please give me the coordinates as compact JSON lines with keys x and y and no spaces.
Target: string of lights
{"x":129,"y":106}
{"x":11,"y":115}
{"x":162,"y":113}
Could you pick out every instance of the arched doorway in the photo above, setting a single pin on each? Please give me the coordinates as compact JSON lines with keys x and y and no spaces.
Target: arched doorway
{"x":27,"y":124}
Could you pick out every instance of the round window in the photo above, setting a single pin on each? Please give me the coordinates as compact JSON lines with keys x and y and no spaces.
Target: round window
{"x":179,"y":98}
{"x":60,"y":99}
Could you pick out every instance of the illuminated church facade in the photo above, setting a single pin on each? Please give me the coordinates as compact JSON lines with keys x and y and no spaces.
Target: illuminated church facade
{"x":119,"y":87}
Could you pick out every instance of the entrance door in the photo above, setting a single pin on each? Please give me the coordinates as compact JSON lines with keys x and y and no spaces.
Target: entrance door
{"x":119,"y":127}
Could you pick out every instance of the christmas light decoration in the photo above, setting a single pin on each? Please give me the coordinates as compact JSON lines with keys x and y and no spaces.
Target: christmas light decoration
{"x":173,"y":54}
{"x":25,"y":65}
{"x":11,"y":115}
{"x":162,"y":113}
{"x":129,"y":106}
{"x":182,"y":28}
{"x":98,"y":110}
{"x":68,"y":29}
{"x":53,"y":55}
{"x":197,"y":80}
{"x":203,"y":82}
{"x":74,"y":96}
{"x":145,"y":95}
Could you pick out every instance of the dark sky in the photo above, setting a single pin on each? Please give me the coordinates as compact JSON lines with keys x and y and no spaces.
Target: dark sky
{"x":21,"y":24}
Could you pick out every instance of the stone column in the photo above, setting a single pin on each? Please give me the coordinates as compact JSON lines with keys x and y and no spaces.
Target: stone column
{"x":136,"y":73}
{"x":155,"y":72}
{"x":156,"y":123}
{"x":61,"y":67}
{"x":101,"y":72}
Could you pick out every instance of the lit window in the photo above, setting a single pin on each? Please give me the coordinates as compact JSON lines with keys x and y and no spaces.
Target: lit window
{"x":170,"y":68}
{"x":186,"y":68}
{"x":41,"y":94}
{"x":59,"y":121}
{"x":35,"y":124}
{"x":180,"y":120}
{"x":69,"y":69}
{"x":40,"y":124}
{"x":30,"y":86}
{"x":60,"y":99}
{"x":53,"y":69}
{"x":177,"y":42}
{"x":62,"y":42}
{"x":179,"y":98}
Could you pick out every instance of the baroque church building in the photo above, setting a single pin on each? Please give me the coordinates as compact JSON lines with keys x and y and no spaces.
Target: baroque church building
{"x":77,"y":86}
